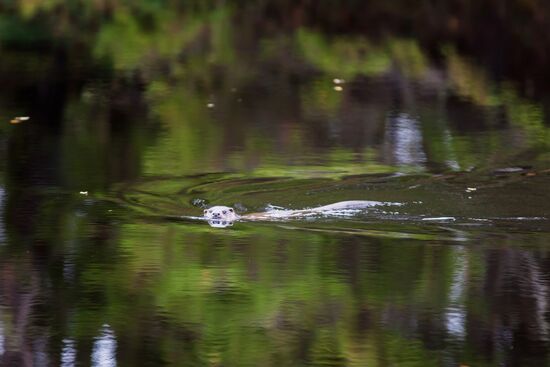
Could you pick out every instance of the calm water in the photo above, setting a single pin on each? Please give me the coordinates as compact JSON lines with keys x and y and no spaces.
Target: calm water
{"x":143,"y":113}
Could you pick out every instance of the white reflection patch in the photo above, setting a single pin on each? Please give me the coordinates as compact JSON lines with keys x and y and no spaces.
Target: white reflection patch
{"x":2,"y":339}
{"x":68,"y":354}
{"x":104,"y":351}
{"x":456,"y":318}
{"x":456,"y":314}
{"x":404,"y":136}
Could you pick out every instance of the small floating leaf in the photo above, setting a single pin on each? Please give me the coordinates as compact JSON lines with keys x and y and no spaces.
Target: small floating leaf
{"x":19,"y":119}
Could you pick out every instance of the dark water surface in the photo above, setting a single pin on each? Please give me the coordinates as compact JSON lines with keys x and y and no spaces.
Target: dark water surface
{"x":143,"y":113}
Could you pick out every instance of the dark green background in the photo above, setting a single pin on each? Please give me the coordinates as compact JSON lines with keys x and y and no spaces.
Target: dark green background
{"x":157,"y":109}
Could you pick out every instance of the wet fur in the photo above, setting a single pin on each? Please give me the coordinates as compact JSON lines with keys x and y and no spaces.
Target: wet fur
{"x":228,"y":214}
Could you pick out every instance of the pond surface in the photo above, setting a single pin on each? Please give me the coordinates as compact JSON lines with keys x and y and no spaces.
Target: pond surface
{"x":142,"y":114}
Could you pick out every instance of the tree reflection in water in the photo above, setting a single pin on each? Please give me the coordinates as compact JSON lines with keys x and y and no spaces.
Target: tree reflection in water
{"x":104,"y":350}
{"x":404,"y":138}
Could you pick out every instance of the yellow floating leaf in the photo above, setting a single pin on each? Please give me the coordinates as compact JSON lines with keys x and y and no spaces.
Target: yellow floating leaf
{"x":19,"y":119}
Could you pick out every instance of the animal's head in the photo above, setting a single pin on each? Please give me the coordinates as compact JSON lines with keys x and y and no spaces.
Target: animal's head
{"x":219,"y":223}
{"x":221,"y":212}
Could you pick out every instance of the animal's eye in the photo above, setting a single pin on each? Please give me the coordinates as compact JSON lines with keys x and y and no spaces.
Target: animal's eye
{"x":231,"y":210}
{"x":224,"y":212}
{"x":205,"y":211}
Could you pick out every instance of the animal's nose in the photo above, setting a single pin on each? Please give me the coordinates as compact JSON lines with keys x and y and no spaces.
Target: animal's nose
{"x":216,"y":215}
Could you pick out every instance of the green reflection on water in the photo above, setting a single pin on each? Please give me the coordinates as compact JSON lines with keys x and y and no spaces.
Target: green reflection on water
{"x":188,"y":60}
{"x":257,"y":294}
{"x":260,"y":295}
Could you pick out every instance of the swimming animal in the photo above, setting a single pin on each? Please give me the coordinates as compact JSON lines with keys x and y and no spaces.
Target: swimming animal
{"x":223,"y":216}
{"x":221,"y":213}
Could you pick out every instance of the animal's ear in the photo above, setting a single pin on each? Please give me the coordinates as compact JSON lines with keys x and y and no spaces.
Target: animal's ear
{"x":231,"y":210}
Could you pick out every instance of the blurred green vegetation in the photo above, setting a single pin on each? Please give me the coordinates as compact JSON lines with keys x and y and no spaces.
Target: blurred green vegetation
{"x":257,"y":295}
{"x":185,"y":57}
{"x":185,"y":294}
